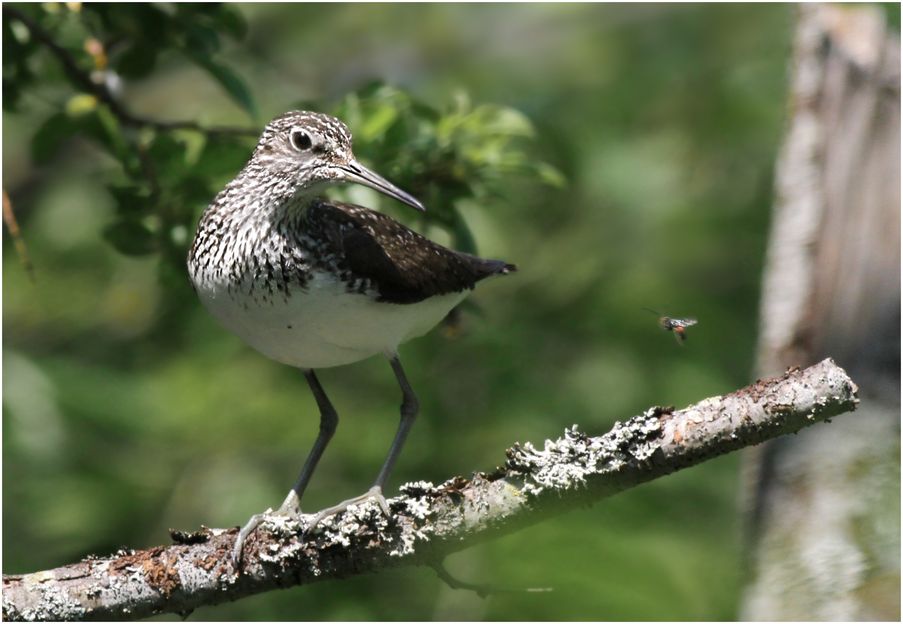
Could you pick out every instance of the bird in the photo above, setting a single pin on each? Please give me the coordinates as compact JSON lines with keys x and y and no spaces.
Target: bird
{"x":314,"y":283}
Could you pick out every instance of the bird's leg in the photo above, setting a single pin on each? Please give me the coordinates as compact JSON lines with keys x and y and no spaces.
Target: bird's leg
{"x":329,"y":420}
{"x":409,"y":408}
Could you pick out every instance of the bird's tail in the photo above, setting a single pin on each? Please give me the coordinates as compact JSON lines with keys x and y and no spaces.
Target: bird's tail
{"x":486,"y":268}
{"x":501,"y":267}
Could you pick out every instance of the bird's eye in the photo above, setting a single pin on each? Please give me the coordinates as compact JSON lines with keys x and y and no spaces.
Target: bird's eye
{"x":301,"y":141}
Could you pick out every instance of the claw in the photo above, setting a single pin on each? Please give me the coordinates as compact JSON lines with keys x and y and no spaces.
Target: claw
{"x":291,"y":508}
{"x":375,"y":493}
{"x":288,"y":508}
{"x":243,"y":535}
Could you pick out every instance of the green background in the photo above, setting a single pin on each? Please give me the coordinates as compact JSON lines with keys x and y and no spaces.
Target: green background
{"x":127,"y":410}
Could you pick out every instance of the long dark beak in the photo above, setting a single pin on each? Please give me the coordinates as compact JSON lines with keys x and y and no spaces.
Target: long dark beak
{"x":359,"y":174}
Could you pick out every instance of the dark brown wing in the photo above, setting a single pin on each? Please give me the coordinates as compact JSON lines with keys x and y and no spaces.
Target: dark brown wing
{"x":400,"y":264}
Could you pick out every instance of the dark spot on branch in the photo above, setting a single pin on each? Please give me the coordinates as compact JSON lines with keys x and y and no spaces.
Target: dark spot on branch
{"x":190,"y":537}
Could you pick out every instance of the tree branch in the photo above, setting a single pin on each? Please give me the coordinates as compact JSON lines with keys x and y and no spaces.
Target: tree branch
{"x":9,"y":218}
{"x":429,"y":522}
{"x":82,"y":80}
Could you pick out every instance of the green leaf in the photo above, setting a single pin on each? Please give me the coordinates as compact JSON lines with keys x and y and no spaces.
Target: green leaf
{"x":137,"y":61}
{"x":201,"y":41}
{"x":130,"y":237}
{"x":50,"y":136}
{"x":232,"y":22}
{"x":168,"y":156}
{"x":425,"y":111}
{"x":132,"y":201}
{"x":505,"y":121}
{"x":113,"y":131}
{"x":222,"y":156}
{"x":17,"y":50}
{"x":378,"y":122}
{"x":106,"y":135}
{"x":81,"y":104}
{"x":230,"y":81}
{"x":193,"y":142}
{"x":550,"y":175}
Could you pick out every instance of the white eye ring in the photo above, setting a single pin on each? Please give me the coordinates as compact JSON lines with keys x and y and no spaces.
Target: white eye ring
{"x":301,"y":140}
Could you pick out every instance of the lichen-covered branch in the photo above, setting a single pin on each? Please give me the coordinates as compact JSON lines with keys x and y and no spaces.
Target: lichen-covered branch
{"x":428,"y":521}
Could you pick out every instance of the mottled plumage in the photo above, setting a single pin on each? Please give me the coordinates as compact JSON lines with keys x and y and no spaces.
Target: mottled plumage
{"x":314,"y":283}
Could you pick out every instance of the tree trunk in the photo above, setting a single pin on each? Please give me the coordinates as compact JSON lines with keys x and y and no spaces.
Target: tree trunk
{"x":825,"y":505}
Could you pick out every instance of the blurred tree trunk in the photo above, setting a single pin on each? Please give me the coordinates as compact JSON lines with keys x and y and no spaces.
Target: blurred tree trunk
{"x":825,"y":505}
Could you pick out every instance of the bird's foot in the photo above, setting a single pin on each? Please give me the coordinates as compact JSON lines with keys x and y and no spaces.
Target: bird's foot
{"x":290,"y":508}
{"x":373,"y":494}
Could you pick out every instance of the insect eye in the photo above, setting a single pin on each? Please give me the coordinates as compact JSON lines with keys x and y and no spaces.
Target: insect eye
{"x":301,"y":141}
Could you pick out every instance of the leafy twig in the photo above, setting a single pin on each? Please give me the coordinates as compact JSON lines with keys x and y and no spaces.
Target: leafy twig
{"x":83,"y":80}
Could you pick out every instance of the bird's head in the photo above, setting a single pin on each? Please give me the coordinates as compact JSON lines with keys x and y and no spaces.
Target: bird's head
{"x":314,"y":150}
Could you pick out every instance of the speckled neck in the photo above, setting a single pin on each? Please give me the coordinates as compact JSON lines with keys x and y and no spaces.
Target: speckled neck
{"x":252,"y":235}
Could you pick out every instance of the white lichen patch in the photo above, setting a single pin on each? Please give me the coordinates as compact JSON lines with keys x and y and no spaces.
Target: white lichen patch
{"x":288,"y":546}
{"x":418,"y":488}
{"x":567,"y":463}
{"x":55,"y":604}
{"x":410,"y":534}
{"x":418,"y":508}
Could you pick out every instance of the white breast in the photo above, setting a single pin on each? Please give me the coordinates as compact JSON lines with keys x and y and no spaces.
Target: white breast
{"x":324,"y":325}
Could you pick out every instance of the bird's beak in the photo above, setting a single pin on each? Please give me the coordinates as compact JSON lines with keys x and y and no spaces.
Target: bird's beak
{"x":359,"y":174}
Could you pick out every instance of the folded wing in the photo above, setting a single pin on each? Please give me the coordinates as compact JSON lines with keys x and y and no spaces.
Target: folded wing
{"x":400,"y":265}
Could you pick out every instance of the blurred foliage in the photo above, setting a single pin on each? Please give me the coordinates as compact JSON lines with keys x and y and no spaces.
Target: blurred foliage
{"x":168,"y":175}
{"x":463,"y":152}
{"x":125,"y":40}
{"x":127,"y":410}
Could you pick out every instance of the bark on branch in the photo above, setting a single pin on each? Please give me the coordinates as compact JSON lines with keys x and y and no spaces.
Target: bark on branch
{"x":429,"y":522}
